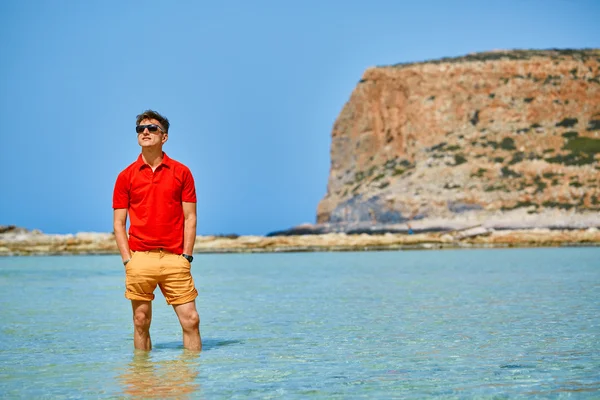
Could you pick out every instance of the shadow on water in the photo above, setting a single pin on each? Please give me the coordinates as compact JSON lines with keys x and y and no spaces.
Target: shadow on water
{"x":517,"y":366}
{"x":207,"y":344}
{"x":148,"y":376}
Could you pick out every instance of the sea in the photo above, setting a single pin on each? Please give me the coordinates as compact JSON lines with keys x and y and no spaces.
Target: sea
{"x":448,"y":324}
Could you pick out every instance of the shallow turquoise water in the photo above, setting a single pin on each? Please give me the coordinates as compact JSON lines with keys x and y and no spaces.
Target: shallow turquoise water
{"x":408,"y":324}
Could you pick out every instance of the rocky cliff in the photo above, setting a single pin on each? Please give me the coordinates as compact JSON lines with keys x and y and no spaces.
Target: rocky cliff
{"x":484,"y":136}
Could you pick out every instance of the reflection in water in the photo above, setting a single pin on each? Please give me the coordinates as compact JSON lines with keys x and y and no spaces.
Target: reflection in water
{"x":145,"y":378}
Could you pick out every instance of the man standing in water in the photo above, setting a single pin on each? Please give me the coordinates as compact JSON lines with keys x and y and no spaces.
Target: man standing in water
{"x":159,"y":195}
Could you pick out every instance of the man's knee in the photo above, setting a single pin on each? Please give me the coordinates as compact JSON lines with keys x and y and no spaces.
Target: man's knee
{"x":190,"y":320}
{"x":141,"y":320}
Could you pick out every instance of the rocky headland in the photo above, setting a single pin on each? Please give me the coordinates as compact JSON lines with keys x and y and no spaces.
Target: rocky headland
{"x":495,"y":149}
{"x":506,"y":139}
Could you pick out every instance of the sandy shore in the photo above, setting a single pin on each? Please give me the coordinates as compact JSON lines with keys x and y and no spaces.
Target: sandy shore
{"x":36,"y":243}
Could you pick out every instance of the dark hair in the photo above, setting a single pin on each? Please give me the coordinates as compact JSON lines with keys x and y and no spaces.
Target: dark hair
{"x":151,"y":114}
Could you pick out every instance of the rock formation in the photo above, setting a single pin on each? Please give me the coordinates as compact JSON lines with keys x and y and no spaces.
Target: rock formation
{"x":487,"y":135}
{"x":19,"y":242}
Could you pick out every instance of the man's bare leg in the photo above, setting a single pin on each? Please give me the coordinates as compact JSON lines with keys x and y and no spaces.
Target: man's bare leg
{"x":190,"y":323}
{"x":142,"y":317}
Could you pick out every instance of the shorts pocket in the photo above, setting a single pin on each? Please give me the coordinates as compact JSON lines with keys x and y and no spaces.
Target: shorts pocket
{"x":128,"y":265}
{"x":187,"y":264}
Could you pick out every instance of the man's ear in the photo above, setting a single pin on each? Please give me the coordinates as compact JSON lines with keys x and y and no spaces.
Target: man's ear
{"x":165,"y":138}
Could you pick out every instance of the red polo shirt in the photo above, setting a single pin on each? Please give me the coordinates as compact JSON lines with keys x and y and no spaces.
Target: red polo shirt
{"x":154,"y":202}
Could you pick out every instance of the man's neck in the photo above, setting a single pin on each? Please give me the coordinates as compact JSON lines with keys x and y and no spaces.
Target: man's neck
{"x":152,"y":157}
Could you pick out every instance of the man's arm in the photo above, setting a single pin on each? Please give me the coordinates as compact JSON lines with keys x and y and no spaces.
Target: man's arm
{"x":189,"y":227}
{"x":119,"y":227}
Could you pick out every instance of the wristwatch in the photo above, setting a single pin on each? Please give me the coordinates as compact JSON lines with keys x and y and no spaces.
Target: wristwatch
{"x":189,"y":258}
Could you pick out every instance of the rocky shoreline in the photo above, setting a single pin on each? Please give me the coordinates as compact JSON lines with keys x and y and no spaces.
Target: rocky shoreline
{"x":20,"y":242}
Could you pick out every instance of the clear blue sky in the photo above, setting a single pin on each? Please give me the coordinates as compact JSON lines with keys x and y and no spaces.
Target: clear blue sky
{"x":252,"y":89}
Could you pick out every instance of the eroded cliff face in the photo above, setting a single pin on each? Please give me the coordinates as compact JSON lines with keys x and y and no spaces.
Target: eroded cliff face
{"x":485,"y":133}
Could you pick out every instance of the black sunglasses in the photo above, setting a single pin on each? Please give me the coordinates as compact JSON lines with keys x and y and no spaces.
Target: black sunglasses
{"x":151,"y":128}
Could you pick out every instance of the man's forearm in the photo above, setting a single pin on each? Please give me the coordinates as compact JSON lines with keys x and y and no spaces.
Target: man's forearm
{"x":122,"y":242}
{"x":189,"y":235}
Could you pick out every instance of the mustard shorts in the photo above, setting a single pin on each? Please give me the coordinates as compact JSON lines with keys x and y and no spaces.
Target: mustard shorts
{"x":171,"y":272}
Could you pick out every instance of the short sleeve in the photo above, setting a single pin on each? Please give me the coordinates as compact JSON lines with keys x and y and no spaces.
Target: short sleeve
{"x":121,"y":192}
{"x":189,"y":188}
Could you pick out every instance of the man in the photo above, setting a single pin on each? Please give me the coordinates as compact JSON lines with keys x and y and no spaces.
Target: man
{"x":159,"y":195}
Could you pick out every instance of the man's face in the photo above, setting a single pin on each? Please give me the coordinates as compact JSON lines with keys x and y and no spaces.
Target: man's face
{"x":146,"y":138}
